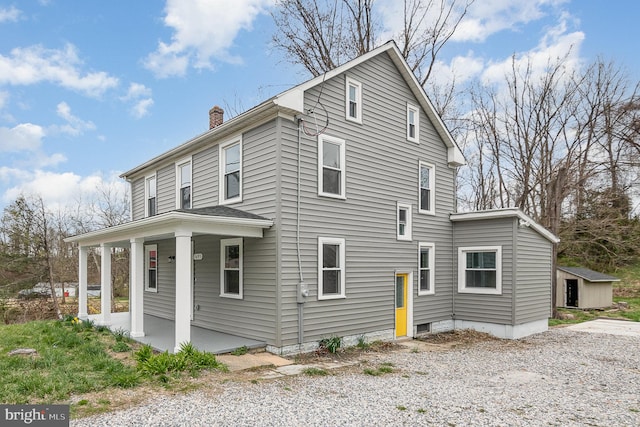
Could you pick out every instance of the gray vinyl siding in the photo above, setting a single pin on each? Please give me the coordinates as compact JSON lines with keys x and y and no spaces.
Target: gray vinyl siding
{"x":533,"y":296}
{"x":381,"y":169}
{"x":166,"y":188}
{"x":137,"y":199}
{"x":480,"y":307}
{"x":162,"y":303}
{"x":205,"y":178}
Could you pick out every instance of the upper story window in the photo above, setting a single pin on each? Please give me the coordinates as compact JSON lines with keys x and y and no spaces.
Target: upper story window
{"x":413,"y":123}
{"x":426,"y":267}
{"x":331,"y":167}
{"x":151,"y":266}
{"x":231,"y":268}
{"x":331,"y":268}
{"x":353,"y":100}
{"x":150,"y":195}
{"x":231,"y":172}
{"x":403,"y":221}
{"x":183,"y":180}
{"x":426,"y":191}
{"x":480,"y":270}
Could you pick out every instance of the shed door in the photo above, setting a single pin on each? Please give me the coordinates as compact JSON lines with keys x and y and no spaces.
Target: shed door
{"x":572,"y":292}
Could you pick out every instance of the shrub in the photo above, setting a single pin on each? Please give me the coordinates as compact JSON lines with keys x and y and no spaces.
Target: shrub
{"x":331,"y":344}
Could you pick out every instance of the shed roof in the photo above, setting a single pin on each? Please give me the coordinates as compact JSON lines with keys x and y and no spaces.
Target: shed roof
{"x":590,"y":275}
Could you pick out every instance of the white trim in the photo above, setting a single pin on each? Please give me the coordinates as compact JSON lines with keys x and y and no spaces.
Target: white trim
{"x":342,"y":267}
{"x":343,"y":167}
{"x":432,"y":264}
{"x":416,"y":137}
{"x":165,"y":224}
{"x":146,"y":193}
{"x":223,"y":244}
{"x":462,"y":267}
{"x":221,"y":171}
{"x":505,"y":213}
{"x":147,"y":250}
{"x":407,"y":236}
{"x":178,"y":175}
{"x":348,"y":83}
{"x":432,"y":188}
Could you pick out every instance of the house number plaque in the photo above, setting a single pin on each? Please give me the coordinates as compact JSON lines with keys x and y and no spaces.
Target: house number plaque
{"x":197,"y":257}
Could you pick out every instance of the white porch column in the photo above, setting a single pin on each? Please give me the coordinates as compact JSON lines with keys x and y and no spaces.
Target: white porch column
{"x":183,"y":288}
{"x":105,"y":284}
{"x":82,"y":283}
{"x":136,"y":288}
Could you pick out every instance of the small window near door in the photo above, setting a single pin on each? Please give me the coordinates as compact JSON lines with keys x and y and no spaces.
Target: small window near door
{"x":426,"y":261}
{"x":403,"y":221}
{"x":151,"y":268}
{"x":331,"y":268}
{"x":231,"y":268}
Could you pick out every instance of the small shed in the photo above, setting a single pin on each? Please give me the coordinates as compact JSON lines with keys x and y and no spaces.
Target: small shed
{"x":583,"y":288}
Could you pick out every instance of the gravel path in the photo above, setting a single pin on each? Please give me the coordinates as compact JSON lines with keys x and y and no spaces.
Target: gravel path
{"x":559,"y":378}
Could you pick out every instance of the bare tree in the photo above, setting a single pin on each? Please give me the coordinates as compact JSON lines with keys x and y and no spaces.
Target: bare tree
{"x":322,"y":34}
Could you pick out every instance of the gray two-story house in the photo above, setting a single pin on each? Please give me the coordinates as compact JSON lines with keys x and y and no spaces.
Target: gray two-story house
{"x":327,"y":210}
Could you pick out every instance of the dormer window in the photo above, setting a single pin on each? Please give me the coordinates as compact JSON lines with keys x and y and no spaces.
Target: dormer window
{"x":413,"y":123}
{"x":183,"y":175}
{"x":150,"y":191}
{"x":353,"y":100}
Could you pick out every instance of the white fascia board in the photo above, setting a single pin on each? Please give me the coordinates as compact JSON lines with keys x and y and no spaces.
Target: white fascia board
{"x":505,"y":213}
{"x":165,"y":225}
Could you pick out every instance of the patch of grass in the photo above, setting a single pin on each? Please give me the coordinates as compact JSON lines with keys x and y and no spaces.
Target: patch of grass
{"x":240,"y":351}
{"x":421,"y":411}
{"x":187,"y":359}
{"x":71,"y":359}
{"x":384,"y":368}
{"x":401,"y":408}
{"x":362,"y":343}
{"x":120,"y":347}
{"x":315,"y":372}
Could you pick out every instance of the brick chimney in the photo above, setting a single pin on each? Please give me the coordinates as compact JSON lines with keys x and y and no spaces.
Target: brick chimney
{"x":216,"y":117}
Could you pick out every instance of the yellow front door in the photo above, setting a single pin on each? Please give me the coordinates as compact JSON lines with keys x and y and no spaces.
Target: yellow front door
{"x":401,"y":304}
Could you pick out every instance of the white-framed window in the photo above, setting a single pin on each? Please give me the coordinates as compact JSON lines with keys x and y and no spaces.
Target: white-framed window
{"x":151,"y":268}
{"x":150,"y":191}
{"x":480,"y":270}
{"x":331,"y":268}
{"x":183,"y":184}
{"x":403,"y":221}
{"x":230,"y":172}
{"x":426,"y":268}
{"x":231,"y":268}
{"x":353,"y":98}
{"x":413,"y":123}
{"x":331,"y":167}
{"x":426,"y":191}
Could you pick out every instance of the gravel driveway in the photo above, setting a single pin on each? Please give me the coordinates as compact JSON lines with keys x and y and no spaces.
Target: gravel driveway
{"x":558,"y":378}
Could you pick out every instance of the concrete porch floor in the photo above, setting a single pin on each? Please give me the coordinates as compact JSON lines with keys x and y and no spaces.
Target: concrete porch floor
{"x":159,"y":334}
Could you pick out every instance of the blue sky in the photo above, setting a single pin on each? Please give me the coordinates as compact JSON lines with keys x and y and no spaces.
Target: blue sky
{"x":90,"y":89}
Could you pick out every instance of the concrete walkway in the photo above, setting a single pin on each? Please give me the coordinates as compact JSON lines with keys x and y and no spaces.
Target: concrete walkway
{"x":609,"y":326}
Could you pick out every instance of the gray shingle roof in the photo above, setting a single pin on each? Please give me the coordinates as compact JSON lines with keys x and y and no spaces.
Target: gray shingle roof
{"x":222,"y":211}
{"x":590,"y":275}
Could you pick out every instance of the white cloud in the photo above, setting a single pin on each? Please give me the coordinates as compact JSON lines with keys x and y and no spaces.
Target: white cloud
{"x":461,"y":69}
{"x":554,"y":45}
{"x":23,"y":137}
{"x":75,"y":126}
{"x":140,"y":96}
{"x":141,"y":108}
{"x":60,"y":190}
{"x":35,"y":64}
{"x":202,"y":30}
{"x":4,"y":96}
{"x":9,"y":14}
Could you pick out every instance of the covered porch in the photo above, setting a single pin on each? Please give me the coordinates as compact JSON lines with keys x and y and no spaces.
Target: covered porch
{"x":180,"y":226}
{"x":159,"y":335}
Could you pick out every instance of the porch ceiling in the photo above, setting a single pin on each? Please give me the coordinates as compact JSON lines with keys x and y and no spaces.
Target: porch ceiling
{"x":216,"y":220}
